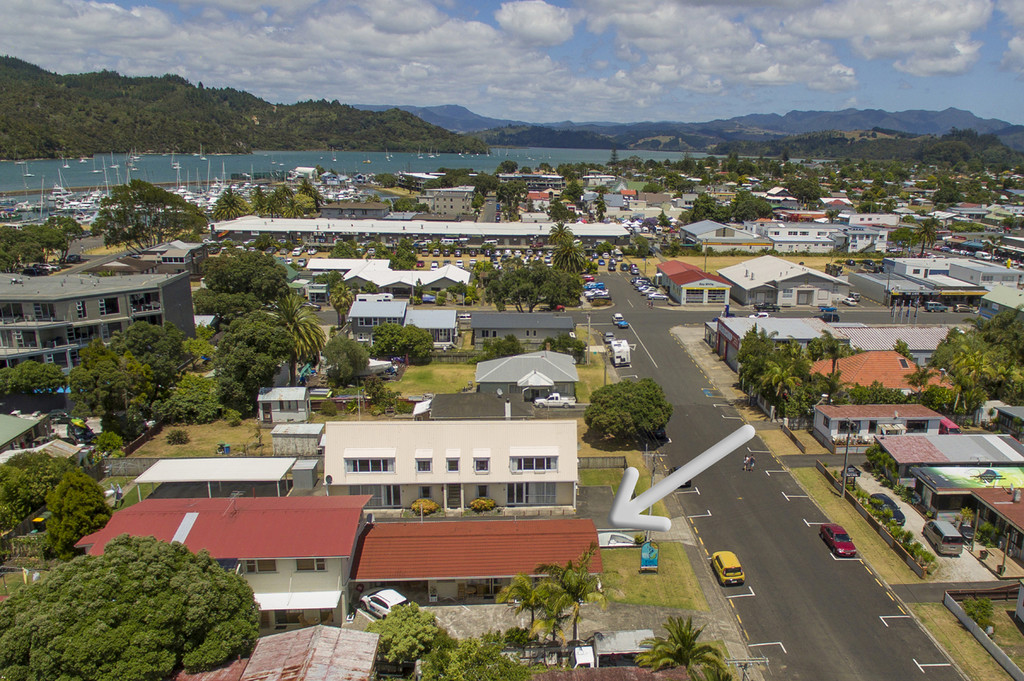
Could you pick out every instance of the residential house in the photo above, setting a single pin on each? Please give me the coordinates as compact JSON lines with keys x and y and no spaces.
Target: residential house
{"x":23,"y":432}
{"x":529,"y":376}
{"x":1010,"y":420}
{"x":365,"y":316}
{"x":920,"y":339}
{"x":355,"y":210}
{"x":299,"y":572}
{"x":176,"y":256}
{"x":887,"y":367}
{"x":890,"y":220}
{"x":788,"y":237}
{"x":515,"y":463}
{"x":768,"y":279}
{"x":690,"y":285}
{"x":473,"y":405}
{"x":283,"y":405}
{"x":467,"y":561}
{"x":976,"y":452}
{"x":540,"y":200}
{"x":121,"y":266}
{"x":835,"y":426}
{"x":530,"y":328}
{"x":441,"y":324}
{"x":50,"y":319}
{"x":866,"y":239}
{"x":974,"y":212}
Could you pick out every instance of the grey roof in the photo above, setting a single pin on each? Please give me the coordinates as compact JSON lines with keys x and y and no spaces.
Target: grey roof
{"x":612,"y":642}
{"x":1005,"y":296}
{"x":614,"y":200}
{"x":1016,"y":412}
{"x":477,"y":406}
{"x":76,"y":285}
{"x":522,"y":320}
{"x":284,"y":394}
{"x":298,"y":429}
{"x":556,"y":366}
{"x":390,"y":309}
{"x":783,"y":328}
{"x":702,"y":227}
{"x":885,"y":337}
{"x":431,"y":319}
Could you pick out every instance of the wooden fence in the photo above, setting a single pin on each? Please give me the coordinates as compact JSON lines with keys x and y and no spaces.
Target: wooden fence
{"x":453,"y":357}
{"x":601,"y":462}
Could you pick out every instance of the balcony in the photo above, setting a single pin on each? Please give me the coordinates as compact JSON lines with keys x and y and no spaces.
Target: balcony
{"x":30,"y":321}
{"x":141,"y":309}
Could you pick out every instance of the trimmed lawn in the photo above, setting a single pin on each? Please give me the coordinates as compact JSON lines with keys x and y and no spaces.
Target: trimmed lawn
{"x":597,"y":477}
{"x":435,"y":378}
{"x":203,"y":441}
{"x":869,"y":545}
{"x":128,"y":488}
{"x":591,"y":378}
{"x":12,"y":581}
{"x":781,"y":445}
{"x":1008,"y":634}
{"x":598,"y":446}
{"x":674,"y":585}
{"x":958,"y":642}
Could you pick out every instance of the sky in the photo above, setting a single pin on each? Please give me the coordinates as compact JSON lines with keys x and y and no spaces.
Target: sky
{"x":541,"y":61}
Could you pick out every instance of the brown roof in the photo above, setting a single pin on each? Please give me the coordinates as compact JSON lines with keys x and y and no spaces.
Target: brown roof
{"x":1000,"y":499}
{"x":878,"y":411}
{"x":888,"y":367}
{"x":470,"y":548}
{"x":683,"y":273}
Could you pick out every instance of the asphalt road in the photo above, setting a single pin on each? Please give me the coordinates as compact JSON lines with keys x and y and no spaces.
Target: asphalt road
{"x":814,"y":617}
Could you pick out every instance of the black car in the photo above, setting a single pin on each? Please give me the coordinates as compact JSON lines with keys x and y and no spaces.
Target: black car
{"x":885,"y":501}
{"x":766,"y":307}
{"x":73,"y":258}
{"x":851,"y":262}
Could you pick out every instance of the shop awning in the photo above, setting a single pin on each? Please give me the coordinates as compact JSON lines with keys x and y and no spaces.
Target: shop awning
{"x":299,"y":600}
{"x":891,"y":427}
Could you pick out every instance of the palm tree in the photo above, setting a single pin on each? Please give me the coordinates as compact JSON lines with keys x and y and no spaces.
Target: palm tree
{"x":928,"y":232}
{"x":230,"y":205}
{"x":553,"y":620}
{"x":259,"y":202}
{"x":569,"y":256}
{"x":525,"y":594}
{"x":716,"y":673}
{"x":680,"y":648}
{"x":306,"y":188}
{"x":300,"y":323}
{"x":292,"y":208}
{"x":920,"y":377}
{"x":571,"y":585}
{"x":342,"y":298}
{"x":560,"y":234}
{"x":779,"y":377}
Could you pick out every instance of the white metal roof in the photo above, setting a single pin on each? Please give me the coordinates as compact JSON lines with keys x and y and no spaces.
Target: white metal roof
{"x":298,"y":429}
{"x":211,"y":469}
{"x":300,"y":600}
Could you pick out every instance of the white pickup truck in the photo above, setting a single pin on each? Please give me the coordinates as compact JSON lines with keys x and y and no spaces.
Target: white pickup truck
{"x":555,"y":400}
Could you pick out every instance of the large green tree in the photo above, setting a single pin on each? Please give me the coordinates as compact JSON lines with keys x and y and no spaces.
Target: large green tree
{"x":193,"y":400}
{"x":301,"y":326}
{"x":25,"y":480}
{"x":246,"y":272}
{"x":108,"y":384}
{"x":77,"y":508}
{"x":142,"y":610}
{"x":407,"y":634}
{"x":535,"y":284}
{"x":139,"y":215}
{"x":628,"y":408}
{"x":472,"y":659}
{"x":248,"y":356}
{"x":393,"y":340}
{"x":345,"y":358}
{"x":681,"y":648}
{"x":31,"y":376}
{"x":161,"y":347}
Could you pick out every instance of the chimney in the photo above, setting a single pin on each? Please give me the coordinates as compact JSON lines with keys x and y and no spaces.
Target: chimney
{"x":508,"y":409}
{"x":1016,"y":496}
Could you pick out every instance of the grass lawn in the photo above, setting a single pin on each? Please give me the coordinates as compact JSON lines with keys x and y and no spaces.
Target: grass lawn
{"x":869,"y":544}
{"x":12,"y":581}
{"x":598,"y":446}
{"x":781,"y":445}
{"x":591,"y":376}
{"x":131,"y":492}
{"x":435,"y":378}
{"x":958,"y":642}
{"x":674,"y":585}
{"x":1008,"y":633}
{"x":203,"y":441}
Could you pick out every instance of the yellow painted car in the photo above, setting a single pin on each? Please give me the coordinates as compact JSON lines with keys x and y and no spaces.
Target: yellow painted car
{"x":727,"y":568}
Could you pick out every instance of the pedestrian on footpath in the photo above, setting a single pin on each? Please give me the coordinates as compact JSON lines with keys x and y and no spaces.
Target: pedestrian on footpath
{"x":746,"y":463}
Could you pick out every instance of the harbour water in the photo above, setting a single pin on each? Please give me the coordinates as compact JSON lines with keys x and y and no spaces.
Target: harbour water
{"x":106,"y":170}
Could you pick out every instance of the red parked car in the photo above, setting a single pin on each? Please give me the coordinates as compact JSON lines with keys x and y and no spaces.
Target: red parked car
{"x":837,"y":540}
{"x":587,"y":278}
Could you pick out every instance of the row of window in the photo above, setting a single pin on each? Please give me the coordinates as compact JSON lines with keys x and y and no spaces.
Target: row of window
{"x":517,"y":494}
{"x":301,"y":565}
{"x":480,"y":464}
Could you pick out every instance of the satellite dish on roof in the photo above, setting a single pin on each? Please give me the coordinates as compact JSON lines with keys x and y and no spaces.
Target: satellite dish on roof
{"x":499,"y":392}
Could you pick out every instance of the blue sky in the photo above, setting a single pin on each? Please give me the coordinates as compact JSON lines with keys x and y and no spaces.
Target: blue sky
{"x":539,"y":60}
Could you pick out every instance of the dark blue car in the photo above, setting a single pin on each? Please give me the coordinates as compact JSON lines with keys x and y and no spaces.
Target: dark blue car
{"x":885,"y":501}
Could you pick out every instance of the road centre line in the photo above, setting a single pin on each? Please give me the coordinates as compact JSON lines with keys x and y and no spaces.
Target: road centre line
{"x":640,"y":340}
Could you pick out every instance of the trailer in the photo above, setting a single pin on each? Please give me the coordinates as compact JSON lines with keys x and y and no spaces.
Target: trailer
{"x":620,"y":353}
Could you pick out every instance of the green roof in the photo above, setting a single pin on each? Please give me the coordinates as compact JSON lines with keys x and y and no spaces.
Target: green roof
{"x":13,"y":426}
{"x":1005,"y":296}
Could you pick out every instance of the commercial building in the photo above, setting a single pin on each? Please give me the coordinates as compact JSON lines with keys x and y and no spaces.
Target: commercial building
{"x":773,"y":280}
{"x":690,"y":285}
{"x":50,"y":319}
{"x":450,"y":200}
{"x":515,"y":463}
{"x":1001,"y":298}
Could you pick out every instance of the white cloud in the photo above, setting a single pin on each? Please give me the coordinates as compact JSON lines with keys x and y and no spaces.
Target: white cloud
{"x":535,"y":21}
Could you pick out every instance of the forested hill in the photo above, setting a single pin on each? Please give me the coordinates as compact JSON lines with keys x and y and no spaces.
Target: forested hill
{"x":956,"y":147}
{"x":46,"y":115}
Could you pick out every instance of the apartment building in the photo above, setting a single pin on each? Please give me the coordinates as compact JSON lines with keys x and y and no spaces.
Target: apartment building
{"x":515,"y":463}
{"x":50,"y":319}
{"x":450,"y":200}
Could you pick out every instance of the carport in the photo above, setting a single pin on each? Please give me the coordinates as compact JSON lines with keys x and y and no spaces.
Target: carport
{"x":270,"y":470}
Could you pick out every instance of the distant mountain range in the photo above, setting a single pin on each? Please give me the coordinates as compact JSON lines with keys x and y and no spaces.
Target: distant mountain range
{"x":679,"y":136}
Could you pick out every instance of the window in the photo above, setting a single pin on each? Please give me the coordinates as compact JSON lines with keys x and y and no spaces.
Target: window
{"x":261,"y":565}
{"x":44,"y":311}
{"x":453,"y":465}
{"x":531,"y":494}
{"x":425,"y":492}
{"x":80,"y":309}
{"x":108,"y":306}
{"x":10,"y":310}
{"x":381,"y":496}
{"x":534,"y":463}
{"x":310,"y":564}
{"x":917,"y":426}
{"x":369,"y":465}
{"x":482,"y":465}
{"x":423,"y":465}
{"x":481,"y":491}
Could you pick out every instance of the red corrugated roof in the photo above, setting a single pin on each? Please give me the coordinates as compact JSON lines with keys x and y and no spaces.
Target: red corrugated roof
{"x":885,"y":366}
{"x":683,"y":273}
{"x":910,"y":449}
{"x":1001,"y":500}
{"x":470,"y":548}
{"x":263,"y":527}
{"x":878,"y":411}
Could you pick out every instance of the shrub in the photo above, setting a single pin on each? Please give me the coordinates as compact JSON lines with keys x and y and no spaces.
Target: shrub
{"x":233,"y":417}
{"x":109,"y":443}
{"x":986,"y":534}
{"x":639,"y":539}
{"x":482,"y":505}
{"x":178,"y":437}
{"x":328,"y":408}
{"x":517,"y":636}
{"x":424,"y":507}
{"x":980,"y":610}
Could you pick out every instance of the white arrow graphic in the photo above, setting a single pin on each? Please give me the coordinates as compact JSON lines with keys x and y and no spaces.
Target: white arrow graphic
{"x":626,"y":511}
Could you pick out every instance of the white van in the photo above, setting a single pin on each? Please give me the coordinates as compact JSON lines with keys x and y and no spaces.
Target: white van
{"x":944,"y":537}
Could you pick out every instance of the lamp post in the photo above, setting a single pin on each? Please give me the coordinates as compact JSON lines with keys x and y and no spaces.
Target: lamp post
{"x":846,"y":458}
{"x":589,"y":339}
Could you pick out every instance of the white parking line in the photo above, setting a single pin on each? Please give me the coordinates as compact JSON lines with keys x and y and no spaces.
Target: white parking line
{"x":922,"y":665}
{"x":734,"y":418}
{"x":695,"y":490}
{"x":769,"y":473}
{"x":772,"y":643}
{"x":794,"y":496}
{"x":743,"y":595}
{"x":838,"y":559}
{"x":892,"y":617}
{"x":809,"y":523}
{"x":758,"y":451}
{"x":702,"y":515}
{"x":645,"y":347}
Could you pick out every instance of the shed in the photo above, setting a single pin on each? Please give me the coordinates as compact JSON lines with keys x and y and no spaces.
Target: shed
{"x":305,"y":473}
{"x":297,"y":439}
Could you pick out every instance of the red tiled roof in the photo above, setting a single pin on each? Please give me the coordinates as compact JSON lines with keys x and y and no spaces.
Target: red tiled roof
{"x":878,"y":411}
{"x":537,"y":196}
{"x":864,"y":368}
{"x":263,"y":527}
{"x":628,"y":192}
{"x":683,"y":273}
{"x":910,"y":449}
{"x":470,"y":548}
